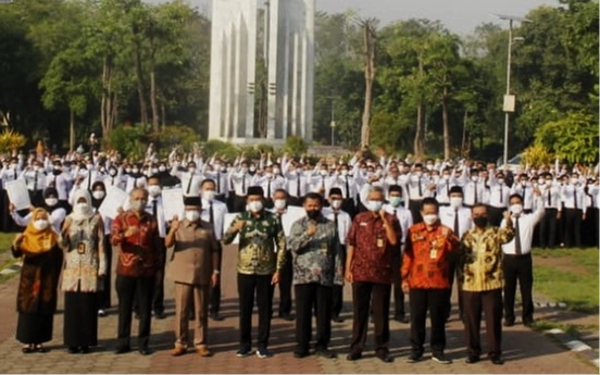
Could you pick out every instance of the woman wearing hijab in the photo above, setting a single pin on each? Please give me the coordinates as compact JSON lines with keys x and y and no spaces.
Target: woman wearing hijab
{"x":85,"y":267}
{"x":37,"y":294}
{"x":56,"y":210}
{"x":98,"y":195}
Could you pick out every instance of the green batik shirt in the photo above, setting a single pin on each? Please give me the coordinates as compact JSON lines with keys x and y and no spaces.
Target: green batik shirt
{"x":262,"y":244}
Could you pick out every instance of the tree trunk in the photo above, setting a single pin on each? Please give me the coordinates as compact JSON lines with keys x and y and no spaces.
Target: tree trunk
{"x":464,"y":134}
{"x":418,"y":144}
{"x":446,"y":124}
{"x":106,"y":113}
{"x":153,"y":103}
{"x":140,"y":84}
{"x":163,"y":115}
{"x":370,"y":39}
{"x":71,"y":129}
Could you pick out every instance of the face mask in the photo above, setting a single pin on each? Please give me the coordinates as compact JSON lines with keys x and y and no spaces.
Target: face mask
{"x":418,"y":174}
{"x":154,"y":170}
{"x":112,"y":172}
{"x":162,"y":168}
{"x":475,"y":178}
{"x":127,"y":170}
{"x":481,"y":221}
{"x":192,"y":215}
{"x":40,"y":224}
{"x":396,"y":201}
{"x":208,"y":195}
{"x":456,"y":202}
{"x":430,"y":219}
{"x":252,"y":169}
{"x":89,"y":166}
{"x":244,"y":170}
{"x":446,"y":177}
{"x":374,"y":206}
{"x":98,"y":194}
{"x":516,"y":209}
{"x":36,"y":168}
{"x":500,"y":181}
{"x":336,"y":204}
{"x":415,"y":177}
{"x":154,"y":190}
{"x":344,"y":172}
{"x":255,"y":206}
{"x":541,"y":181}
{"x":223,"y":170}
{"x":51,"y":202}
{"x":548,"y":182}
{"x":574,"y":181}
{"x":135,"y":170}
{"x":279,"y":204}
{"x":313,"y":214}
{"x":13,"y":166}
{"x":276,"y":171}
{"x":139,"y":206}
{"x":269,"y":175}
{"x":81,"y":208}
{"x":323,"y":172}
{"x":192,"y":169}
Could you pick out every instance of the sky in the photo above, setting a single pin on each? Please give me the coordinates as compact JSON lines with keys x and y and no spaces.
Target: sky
{"x":459,"y":16}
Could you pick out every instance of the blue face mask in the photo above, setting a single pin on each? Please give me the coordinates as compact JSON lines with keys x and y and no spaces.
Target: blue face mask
{"x":374,"y":206}
{"x":396,"y":201}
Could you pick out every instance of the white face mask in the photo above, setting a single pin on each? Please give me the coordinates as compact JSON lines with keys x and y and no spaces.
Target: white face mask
{"x":162,"y":168}
{"x":344,"y":172}
{"x":374,"y":206}
{"x":139,"y":206}
{"x":269,"y":175}
{"x":98,"y":194}
{"x":40,"y":224}
{"x":279,"y":204}
{"x":574,"y":181}
{"x":81,"y":208}
{"x":192,"y":215}
{"x":456,"y":202}
{"x":336,"y":204}
{"x":475,"y":178}
{"x":430,"y":219}
{"x":208,"y":195}
{"x":500,"y":181}
{"x":276,"y":171}
{"x":154,"y":190}
{"x":516,"y":209}
{"x":324,"y":172}
{"x":51,"y":202}
{"x":255,"y":206}
{"x":135,"y":170}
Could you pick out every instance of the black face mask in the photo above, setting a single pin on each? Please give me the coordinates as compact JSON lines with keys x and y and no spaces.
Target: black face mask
{"x":481,"y":221}
{"x":313,"y":214}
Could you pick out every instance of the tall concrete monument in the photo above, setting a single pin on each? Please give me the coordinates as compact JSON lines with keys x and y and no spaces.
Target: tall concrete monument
{"x":283,"y":80}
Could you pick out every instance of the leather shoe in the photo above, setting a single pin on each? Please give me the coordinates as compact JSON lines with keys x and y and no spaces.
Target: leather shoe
{"x":337,"y":319}
{"x":85,"y":350}
{"x":144,"y":351}
{"x":385,"y":357}
{"x":529,"y":323}
{"x":73,"y":350}
{"x":286,"y":317}
{"x":472,"y":359}
{"x":354,"y":356}
{"x":160,"y":315}
{"x":325,"y":353}
{"x":203,"y":351}
{"x":176,"y":352}
{"x":301,"y":354}
{"x":122,"y":350}
{"x":216,"y":317}
{"x":497,"y":360}
{"x":401,"y":319}
{"x":509,"y":323}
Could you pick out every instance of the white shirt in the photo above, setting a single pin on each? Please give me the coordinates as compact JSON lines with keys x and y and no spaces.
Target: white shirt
{"x":347,"y":185}
{"x":160,"y":214}
{"x":295,"y":178}
{"x":404,"y":217}
{"x":526,"y":192}
{"x":569,"y":193}
{"x":465,"y":219}
{"x":527,"y":223}
{"x":469,"y":191}
{"x":241,"y":182}
{"x":499,"y":194}
{"x":219,"y":212}
{"x":35,"y":181}
{"x":55,"y":219}
{"x":221,"y":180}
{"x":344,"y":222}
{"x":60,"y":183}
{"x":268,"y":184}
{"x":135,"y":182}
{"x":551,"y":196}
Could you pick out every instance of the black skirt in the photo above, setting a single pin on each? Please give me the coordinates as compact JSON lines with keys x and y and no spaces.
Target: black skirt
{"x":34,"y":328}
{"x":105,"y":295}
{"x":81,"y":319}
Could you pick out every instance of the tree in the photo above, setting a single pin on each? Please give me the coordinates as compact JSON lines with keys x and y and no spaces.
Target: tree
{"x":573,"y":138}
{"x":369,"y":27}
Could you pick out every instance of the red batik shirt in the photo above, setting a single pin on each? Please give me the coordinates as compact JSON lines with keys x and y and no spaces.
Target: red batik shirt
{"x":373,"y":253}
{"x":139,"y":254}
{"x":428,"y":255}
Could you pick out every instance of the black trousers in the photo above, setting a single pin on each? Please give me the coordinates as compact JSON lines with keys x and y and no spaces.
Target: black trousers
{"x":104,"y":296}
{"x":548,"y":228}
{"x":399,"y":310}
{"x":490,"y":302}
{"x":230,"y":200}
{"x":158,"y":299}
{"x":422,"y":300}
{"x":596,"y":226}
{"x":285,"y":286}
{"x":239,"y":203}
{"x":307,"y":296}
{"x":572,"y":227}
{"x":248,"y":285}
{"x":349,"y":207}
{"x":518,"y":268}
{"x":361,"y":301}
{"x":337,"y":299}
{"x":129,"y":289}
{"x":215,"y":292}
{"x":415,"y":209}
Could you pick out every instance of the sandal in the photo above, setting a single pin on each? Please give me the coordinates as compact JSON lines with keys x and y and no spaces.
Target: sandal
{"x":28,"y":349}
{"x":40,"y":349}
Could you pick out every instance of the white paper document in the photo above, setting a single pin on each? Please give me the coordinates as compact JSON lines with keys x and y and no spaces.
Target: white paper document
{"x":227,"y":223}
{"x":173,"y":203}
{"x":18,"y":194}
{"x":115,"y":199}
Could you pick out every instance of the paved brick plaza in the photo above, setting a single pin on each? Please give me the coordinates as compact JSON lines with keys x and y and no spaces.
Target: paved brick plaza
{"x":524,"y":350}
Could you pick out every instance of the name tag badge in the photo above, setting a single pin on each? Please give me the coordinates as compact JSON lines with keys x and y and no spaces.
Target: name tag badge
{"x":380,"y":242}
{"x":363,"y":224}
{"x":433,"y":254}
{"x":81,"y":248}
{"x":323,"y":248}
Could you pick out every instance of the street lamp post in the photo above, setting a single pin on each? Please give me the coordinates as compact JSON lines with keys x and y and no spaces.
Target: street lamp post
{"x":332,"y":123}
{"x":509,"y":100}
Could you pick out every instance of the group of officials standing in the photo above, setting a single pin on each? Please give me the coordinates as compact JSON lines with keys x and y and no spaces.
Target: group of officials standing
{"x":378,"y":226}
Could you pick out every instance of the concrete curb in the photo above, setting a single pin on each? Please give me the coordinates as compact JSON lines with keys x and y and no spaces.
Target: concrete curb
{"x":574,"y":345}
{"x":11,"y":269}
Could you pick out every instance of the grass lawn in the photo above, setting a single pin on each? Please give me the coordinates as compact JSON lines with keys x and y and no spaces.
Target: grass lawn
{"x":6,"y":258}
{"x":569,"y":276}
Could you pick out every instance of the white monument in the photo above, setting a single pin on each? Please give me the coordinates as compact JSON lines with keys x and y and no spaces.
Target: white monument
{"x":288,"y":53}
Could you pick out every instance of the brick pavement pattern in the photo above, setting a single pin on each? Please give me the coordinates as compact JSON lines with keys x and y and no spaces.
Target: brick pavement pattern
{"x":524,"y":350}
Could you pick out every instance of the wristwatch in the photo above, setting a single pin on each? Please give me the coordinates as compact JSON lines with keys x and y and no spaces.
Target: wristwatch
{"x":216,"y":272}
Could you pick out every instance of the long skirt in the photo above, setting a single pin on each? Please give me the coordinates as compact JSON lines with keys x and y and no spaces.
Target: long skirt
{"x":105,"y":295}
{"x":34,"y":328}
{"x":81,"y":319}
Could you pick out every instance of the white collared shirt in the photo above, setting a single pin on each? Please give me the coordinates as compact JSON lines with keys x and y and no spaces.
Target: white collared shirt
{"x":527,"y":223}
{"x":465,"y":220}
{"x":344,"y":222}
{"x":219,"y":211}
{"x":404,"y":217}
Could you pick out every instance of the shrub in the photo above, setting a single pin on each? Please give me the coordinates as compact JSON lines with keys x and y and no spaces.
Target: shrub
{"x":11,"y":140}
{"x":295,"y":146}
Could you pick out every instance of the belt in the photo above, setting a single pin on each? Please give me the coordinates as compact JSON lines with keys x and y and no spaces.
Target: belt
{"x":517,"y":256}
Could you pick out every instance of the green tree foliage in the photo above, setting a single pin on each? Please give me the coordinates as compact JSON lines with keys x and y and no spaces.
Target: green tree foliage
{"x":295,"y":146}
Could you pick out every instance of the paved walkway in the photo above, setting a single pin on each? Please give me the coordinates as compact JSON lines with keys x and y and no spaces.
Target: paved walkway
{"x":525,"y":351}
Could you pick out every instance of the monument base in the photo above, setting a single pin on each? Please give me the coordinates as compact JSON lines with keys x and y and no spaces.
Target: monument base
{"x":252,"y":141}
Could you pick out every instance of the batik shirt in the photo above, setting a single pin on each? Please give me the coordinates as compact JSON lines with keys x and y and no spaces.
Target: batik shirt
{"x":480,"y":258}
{"x":315,"y":258}
{"x":262,"y":244}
